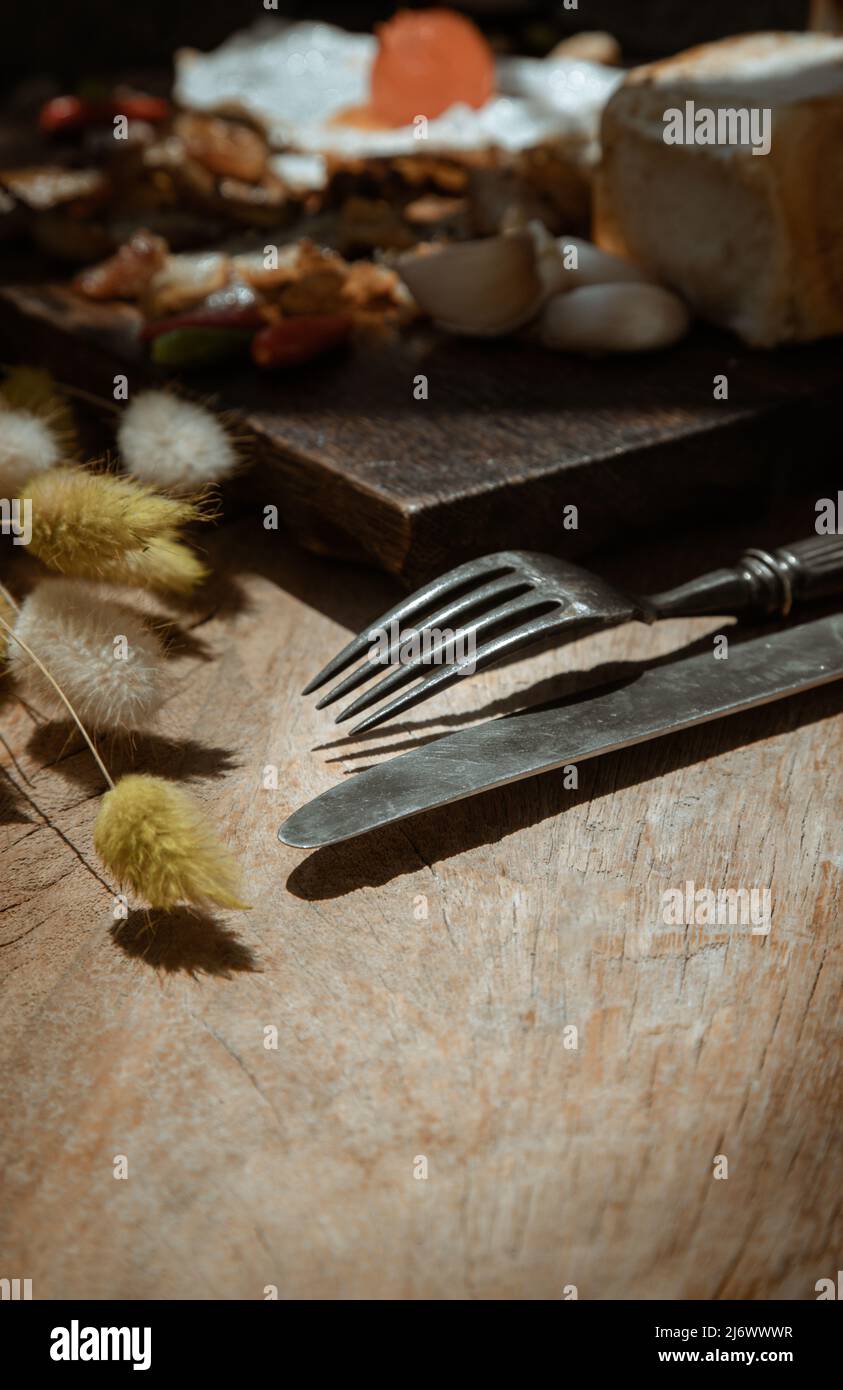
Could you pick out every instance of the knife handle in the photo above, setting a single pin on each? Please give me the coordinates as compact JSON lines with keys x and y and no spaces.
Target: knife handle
{"x":763,"y":582}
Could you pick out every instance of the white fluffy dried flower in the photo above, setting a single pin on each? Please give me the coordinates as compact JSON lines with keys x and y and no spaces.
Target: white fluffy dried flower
{"x":27,"y":447}
{"x":174,"y":445}
{"x":107,"y":662}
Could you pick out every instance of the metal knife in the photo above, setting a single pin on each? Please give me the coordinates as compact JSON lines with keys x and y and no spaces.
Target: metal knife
{"x":659,"y":701}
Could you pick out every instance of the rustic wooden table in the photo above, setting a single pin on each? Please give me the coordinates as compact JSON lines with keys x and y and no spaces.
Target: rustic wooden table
{"x":424,"y":984}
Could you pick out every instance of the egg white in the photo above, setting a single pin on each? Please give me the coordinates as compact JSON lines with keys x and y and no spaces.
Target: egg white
{"x":296,"y":78}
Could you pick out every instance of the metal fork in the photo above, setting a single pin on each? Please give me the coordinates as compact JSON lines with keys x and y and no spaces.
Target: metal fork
{"x":514,"y":598}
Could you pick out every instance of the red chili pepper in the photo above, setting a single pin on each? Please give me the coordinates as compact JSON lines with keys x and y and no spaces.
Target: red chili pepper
{"x":231,"y":316}
{"x":297,"y":340}
{"x":62,"y":113}
{"x":72,"y":113}
{"x":138,"y":107}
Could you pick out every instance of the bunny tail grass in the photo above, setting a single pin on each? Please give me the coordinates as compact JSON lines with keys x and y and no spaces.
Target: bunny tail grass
{"x":28,"y":448}
{"x":33,"y":389}
{"x":7,"y":628}
{"x":83,"y":523}
{"x":154,"y":839}
{"x":79,"y":627}
{"x":165,"y":563}
{"x":173,"y":444}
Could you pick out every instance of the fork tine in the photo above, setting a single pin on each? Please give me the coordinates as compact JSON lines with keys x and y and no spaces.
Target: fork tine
{"x":489,"y":652}
{"x":400,"y":675}
{"x":497,"y":588}
{"x":413,"y":605}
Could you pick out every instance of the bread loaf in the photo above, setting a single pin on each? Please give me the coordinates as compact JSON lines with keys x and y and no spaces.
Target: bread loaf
{"x":749,"y":227}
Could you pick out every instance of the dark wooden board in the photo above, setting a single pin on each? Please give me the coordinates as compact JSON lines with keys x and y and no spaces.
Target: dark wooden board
{"x":510,"y":436}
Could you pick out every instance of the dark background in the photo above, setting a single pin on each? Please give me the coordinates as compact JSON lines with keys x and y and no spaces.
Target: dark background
{"x":72,"y":41}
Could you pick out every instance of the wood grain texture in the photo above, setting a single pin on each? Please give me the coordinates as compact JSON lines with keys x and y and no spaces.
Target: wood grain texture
{"x":442,"y":1037}
{"x":510,"y":435}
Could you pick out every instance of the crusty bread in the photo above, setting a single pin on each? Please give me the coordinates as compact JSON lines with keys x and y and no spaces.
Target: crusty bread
{"x":754,"y":242}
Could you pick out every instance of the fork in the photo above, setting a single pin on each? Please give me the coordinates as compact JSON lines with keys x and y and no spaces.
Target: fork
{"x":511,"y":599}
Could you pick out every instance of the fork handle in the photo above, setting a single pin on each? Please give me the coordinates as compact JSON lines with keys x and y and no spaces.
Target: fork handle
{"x":763,"y":582}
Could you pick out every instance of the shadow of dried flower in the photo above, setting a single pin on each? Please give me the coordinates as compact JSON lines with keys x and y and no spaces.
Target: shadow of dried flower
{"x":56,"y":744}
{"x":182,"y":940}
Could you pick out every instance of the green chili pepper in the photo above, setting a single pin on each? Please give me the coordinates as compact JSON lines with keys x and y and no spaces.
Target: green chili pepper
{"x":200,"y":347}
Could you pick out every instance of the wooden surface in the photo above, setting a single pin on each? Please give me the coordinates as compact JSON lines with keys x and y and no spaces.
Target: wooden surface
{"x":509,"y":437}
{"x":444,"y":1038}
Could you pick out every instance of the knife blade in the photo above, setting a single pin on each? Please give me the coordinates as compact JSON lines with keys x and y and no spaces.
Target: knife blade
{"x":661,"y":700}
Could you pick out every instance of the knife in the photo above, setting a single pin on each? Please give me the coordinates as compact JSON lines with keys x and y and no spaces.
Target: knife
{"x":659,"y":701}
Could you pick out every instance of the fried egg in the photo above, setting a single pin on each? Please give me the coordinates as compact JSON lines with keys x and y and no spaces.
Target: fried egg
{"x":301,"y":80}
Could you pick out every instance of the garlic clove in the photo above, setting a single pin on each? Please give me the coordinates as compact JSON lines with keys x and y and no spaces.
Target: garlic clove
{"x":477,"y":288}
{"x":550,"y":263}
{"x":614,"y":318}
{"x":585,"y":264}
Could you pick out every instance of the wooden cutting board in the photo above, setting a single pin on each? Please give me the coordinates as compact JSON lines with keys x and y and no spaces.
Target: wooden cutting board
{"x":508,"y":437}
{"x":423,"y":983}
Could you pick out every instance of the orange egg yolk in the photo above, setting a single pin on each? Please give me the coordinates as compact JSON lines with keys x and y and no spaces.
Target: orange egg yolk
{"x":428,"y":61}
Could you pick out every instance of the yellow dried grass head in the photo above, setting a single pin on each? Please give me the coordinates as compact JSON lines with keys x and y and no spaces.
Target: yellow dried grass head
{"x":154,"y":839}
{"x":163,"y":563}
{"x":83,"y":523}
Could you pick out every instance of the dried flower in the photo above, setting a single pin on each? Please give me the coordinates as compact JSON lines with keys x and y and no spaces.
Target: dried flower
{"x":106,"y":666}
{"x":83,"y":523}
{"x":107,"y":662}
{"x":153,"y":837}
{"x":28,"y":448}
{"x":174,"y":445}
{"x":33,"y":389}
{"x":164,"y":563}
